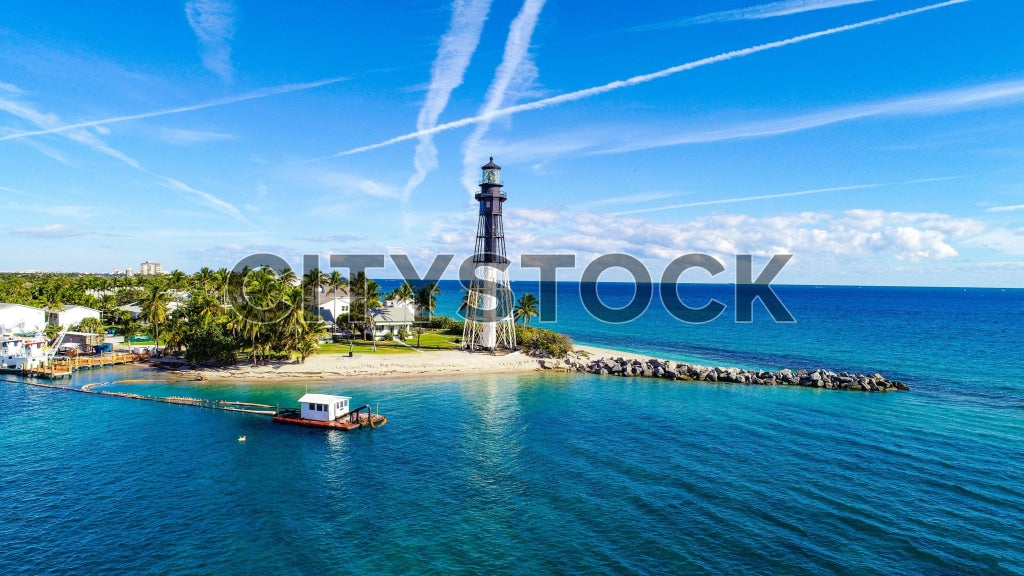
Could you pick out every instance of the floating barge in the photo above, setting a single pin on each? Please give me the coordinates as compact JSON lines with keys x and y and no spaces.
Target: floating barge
{"x":328,"y":411}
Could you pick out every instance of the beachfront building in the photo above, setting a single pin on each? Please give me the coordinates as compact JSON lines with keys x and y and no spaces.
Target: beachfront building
{"x":408,"y":304}
{"x":150,"y":269}
{"x":18,"y":318}
{"x":71,"y":315}
{"x":392,"y":321}
{"x":490,"y":324}
{"x":323,"y":407}
{"x":334,"y":305}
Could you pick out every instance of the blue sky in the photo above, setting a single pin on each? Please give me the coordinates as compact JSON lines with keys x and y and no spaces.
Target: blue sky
{"x":878,"y":141}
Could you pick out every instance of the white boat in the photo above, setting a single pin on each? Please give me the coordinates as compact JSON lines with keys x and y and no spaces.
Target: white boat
{"x":18,"y":353}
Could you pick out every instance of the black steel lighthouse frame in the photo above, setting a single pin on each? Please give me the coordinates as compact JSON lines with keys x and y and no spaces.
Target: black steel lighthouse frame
{"x":489,"y":314}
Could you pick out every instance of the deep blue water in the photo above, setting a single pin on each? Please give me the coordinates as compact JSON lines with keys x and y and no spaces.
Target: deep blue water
{"x":560,"y":474}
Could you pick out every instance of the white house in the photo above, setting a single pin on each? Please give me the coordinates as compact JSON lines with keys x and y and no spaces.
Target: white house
{"x":71,"y":315}
{"x":391,"y":321}
{"x":323,"y":407}
{"x":20,"y":318}
{"x":402,"y":303}
{"x":133,"y":310}
{"x":332,"y":305}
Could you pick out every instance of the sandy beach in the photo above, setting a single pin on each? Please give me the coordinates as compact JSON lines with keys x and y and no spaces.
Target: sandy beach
{"x":434,"y":362}
{"x":335,"y":366}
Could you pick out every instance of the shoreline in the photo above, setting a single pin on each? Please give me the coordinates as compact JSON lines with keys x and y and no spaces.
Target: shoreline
{"x":584,"y":359}
{"x":341,"y":366}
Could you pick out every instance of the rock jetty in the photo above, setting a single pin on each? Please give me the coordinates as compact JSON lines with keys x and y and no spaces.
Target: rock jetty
{"x":669,"y":370}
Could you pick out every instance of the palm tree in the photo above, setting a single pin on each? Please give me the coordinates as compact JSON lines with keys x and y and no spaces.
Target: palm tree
{"x":335,"y":282}
{"x":203,"y":279}
{"x":259,"y":309}
{"x":367,"y":291}
{"x":220,"y":281}
{"x":154,"y":309}
{"x":526,"y":308}
{"x":203,"y":308}
{"x":91,"y":325}
{"x":177,"y":279}
{"x":314,"y":280}
{"x":468,"y":303}
{"x":404,"y":294}
{"x":293,"y":323}
{"x":426,"y":298}
{"x":175,"y":329}
{"x":128,"y":327}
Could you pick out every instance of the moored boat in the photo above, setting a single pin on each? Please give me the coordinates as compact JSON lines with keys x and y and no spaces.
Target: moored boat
{"x":329,"y":411}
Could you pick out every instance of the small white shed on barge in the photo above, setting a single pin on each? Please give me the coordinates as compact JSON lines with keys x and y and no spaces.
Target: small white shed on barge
{"x":323,"y":407}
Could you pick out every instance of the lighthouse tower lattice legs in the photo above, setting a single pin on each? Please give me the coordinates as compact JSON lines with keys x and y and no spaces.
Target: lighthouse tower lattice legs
{"x":489,"y":314}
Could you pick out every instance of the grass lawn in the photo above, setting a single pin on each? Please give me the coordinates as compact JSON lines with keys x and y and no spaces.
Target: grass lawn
{"x":429,"y":340}
{"x":360,"y":347}
{"x":436,"y":340}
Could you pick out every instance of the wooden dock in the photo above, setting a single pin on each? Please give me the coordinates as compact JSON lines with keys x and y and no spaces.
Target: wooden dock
{"x":65,"y":367}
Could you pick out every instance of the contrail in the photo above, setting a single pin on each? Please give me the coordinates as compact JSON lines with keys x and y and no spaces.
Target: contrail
{"x":783,"y":194}
{"x":642,"y":79}
{"x":517,"y":47}
{"x":453,"y":56}
{"x":262,"y":93}
{"x":747,"y":199}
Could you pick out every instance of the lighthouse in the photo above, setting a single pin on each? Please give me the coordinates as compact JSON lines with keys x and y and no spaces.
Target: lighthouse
{"x":489,"y":319}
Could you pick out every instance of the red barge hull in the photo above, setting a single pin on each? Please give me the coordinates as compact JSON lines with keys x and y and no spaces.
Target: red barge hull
{"x":374,"y":421}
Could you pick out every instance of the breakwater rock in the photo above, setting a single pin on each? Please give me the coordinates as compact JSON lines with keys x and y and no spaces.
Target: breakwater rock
{"x":669,"y":370}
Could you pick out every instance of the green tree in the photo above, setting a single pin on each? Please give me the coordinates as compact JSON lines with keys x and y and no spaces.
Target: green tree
{"x":203,"y":279}
{"x":314,"y":282}
{"x":336,"y":282}
{"x":426,"y":298}
{"x":176,"y":280}
{"x":175,"y":331}
{"x":91,"y":325}
{"x":526,"y":308}
{"x":128,"y":327}
{"x":404,"y":294}
{"x":154,"y":306}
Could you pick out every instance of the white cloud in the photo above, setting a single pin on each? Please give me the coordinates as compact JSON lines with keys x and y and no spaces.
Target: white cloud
{"x":1012,"y":208}
{"x":179,"y":136}
{"x":356,"y":185}
{"x":213,"y":22}
{"x":534,"y":215}
{"x":1002,"y":240}
{"x":853,"y":234}
{"x":11,"y":88}
{"x":49,"y":231}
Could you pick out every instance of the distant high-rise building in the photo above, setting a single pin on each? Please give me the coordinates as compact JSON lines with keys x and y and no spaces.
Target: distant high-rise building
{"x":150,"y":269}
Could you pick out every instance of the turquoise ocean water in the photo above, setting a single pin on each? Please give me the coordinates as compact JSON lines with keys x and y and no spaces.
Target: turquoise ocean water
{"x":556,"y":473}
